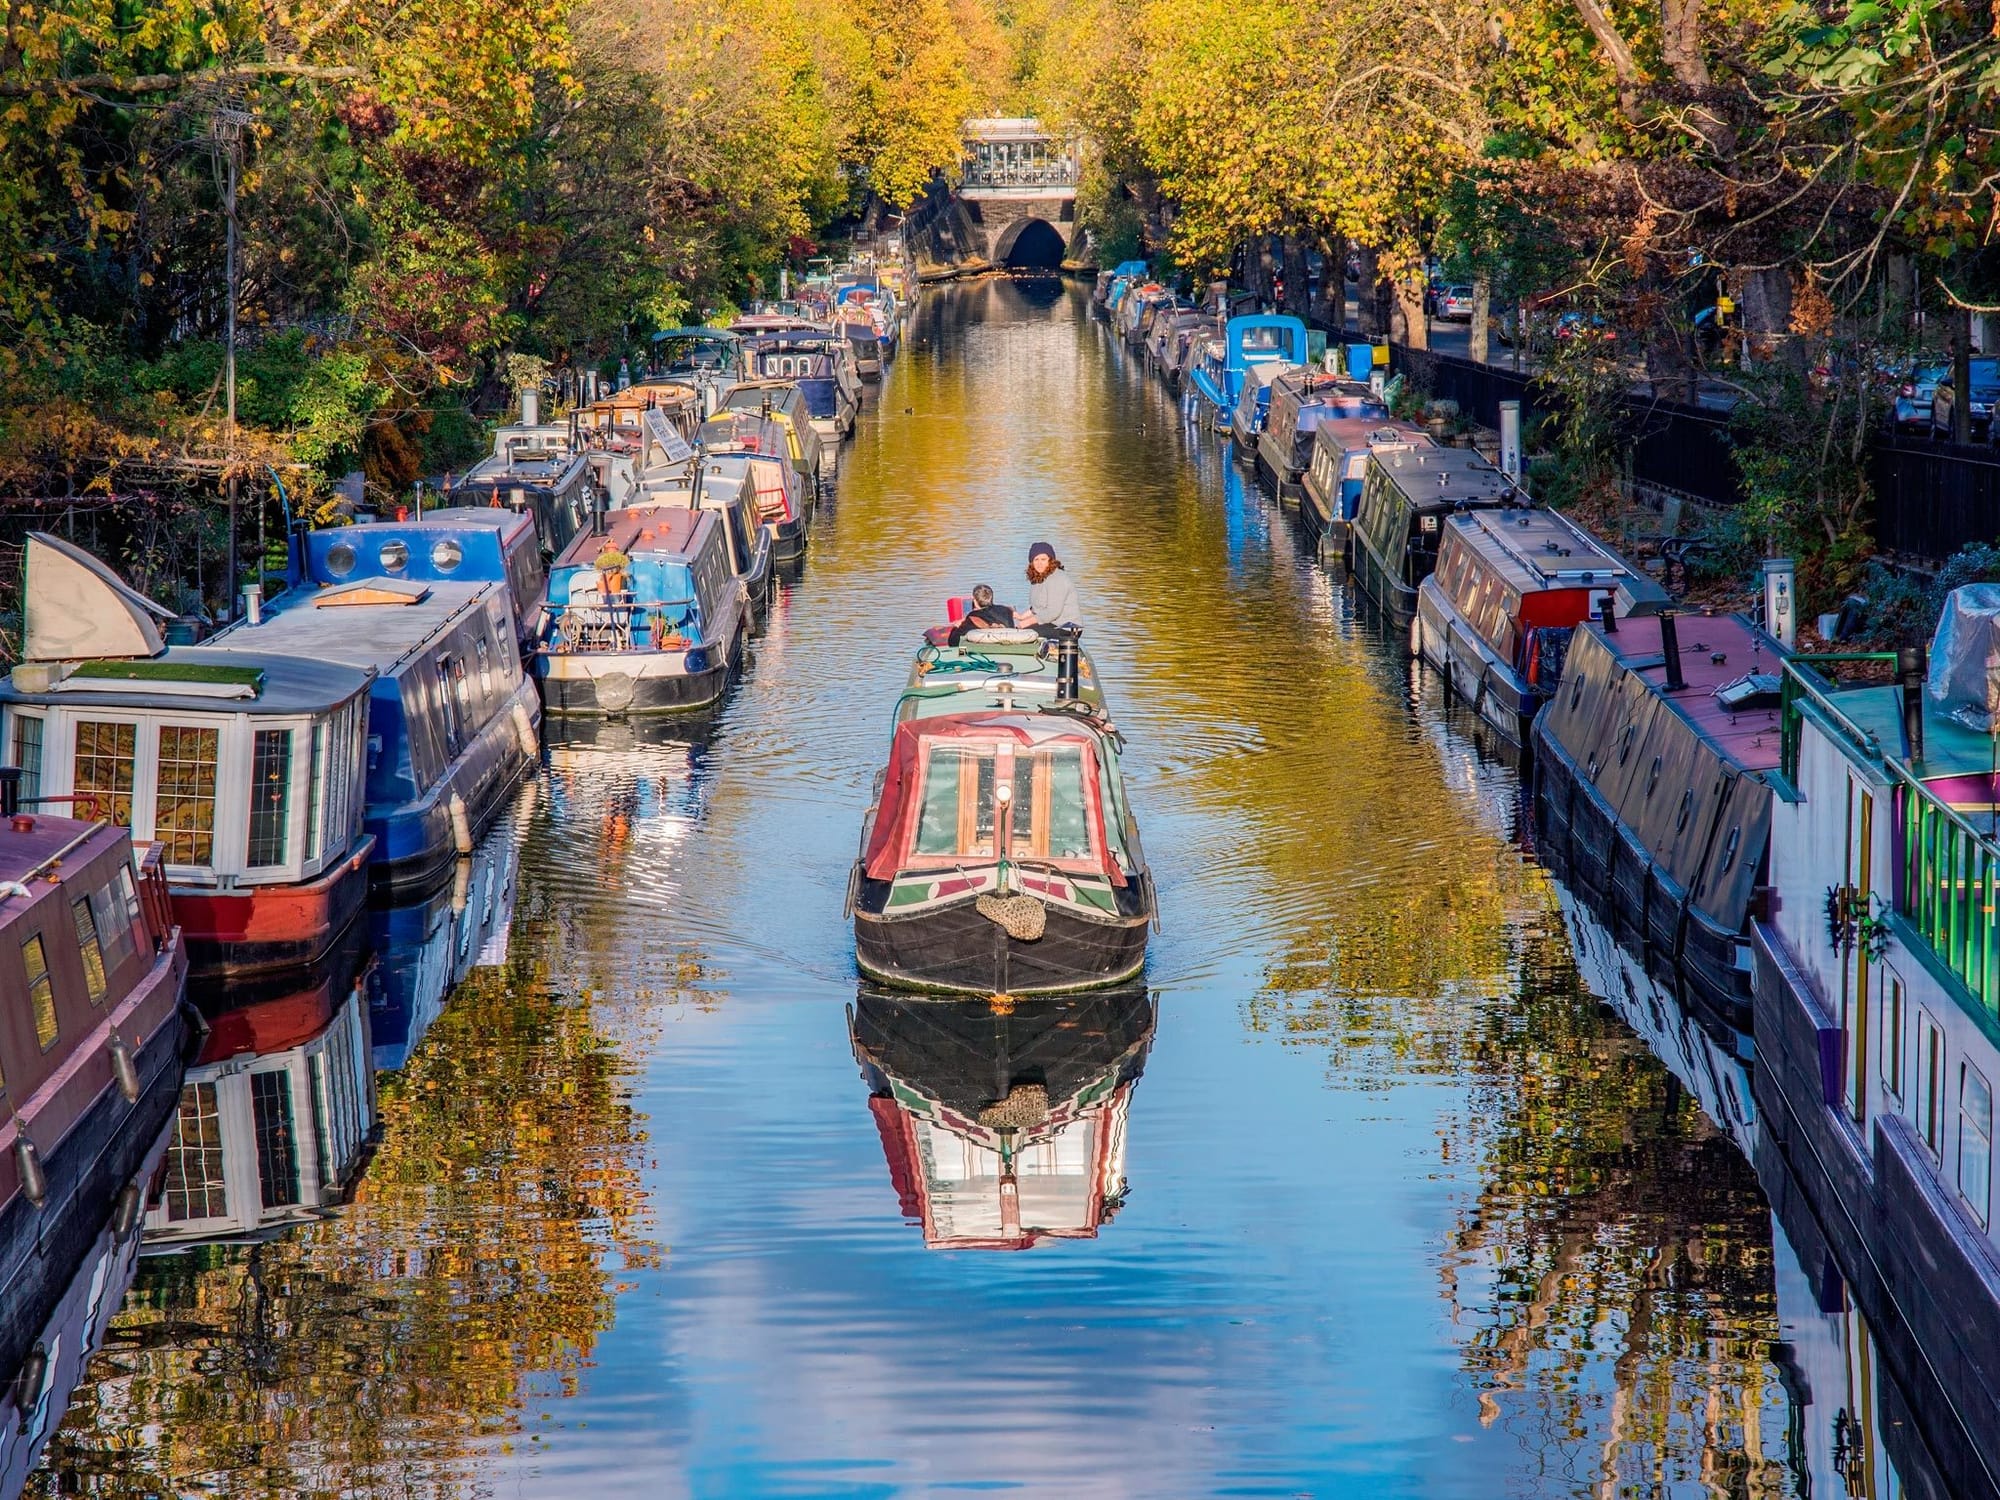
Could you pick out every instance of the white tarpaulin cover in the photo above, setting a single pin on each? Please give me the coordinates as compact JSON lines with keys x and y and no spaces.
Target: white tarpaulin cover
{"x":78,"y":609}
{"x":1965,"y":657}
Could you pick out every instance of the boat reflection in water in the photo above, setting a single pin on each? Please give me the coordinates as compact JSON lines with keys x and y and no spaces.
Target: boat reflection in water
{"x":1004,"y":1124}
{"x":35,"y":1395}
{"x":277,"y":1111}
{"x":424,"y":949}
{"x":1850,"y":1433}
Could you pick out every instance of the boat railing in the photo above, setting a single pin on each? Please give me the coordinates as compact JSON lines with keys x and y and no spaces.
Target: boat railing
{"x":154,"y":898}
{"x":617,"y":625}
{"x":1945,"y":871}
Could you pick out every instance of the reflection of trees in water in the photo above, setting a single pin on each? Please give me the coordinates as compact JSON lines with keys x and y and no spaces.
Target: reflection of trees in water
{"x":369,"y":1352}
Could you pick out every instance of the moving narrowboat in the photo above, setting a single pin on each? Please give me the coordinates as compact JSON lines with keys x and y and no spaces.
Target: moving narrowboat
{"x":1000,"y":856}
{"x":1247,"y":342}
{"x":93,"y":1047}
{"x":275,"y":1115}
{"x":1004,"y":1128}
{"x":244,"y":770}
{"x":1331,"y":485}
{"x":1399,"y":520}
{"x":657,"y":626}
{"x":1299,"y":400}
{"x":459,"y":543}
{"x":1496,"y":615}
{"x":1652,"y":798}
{"x":452,"y":717}
{"x":736,"y":441}
{"x":1877,"y":981}
{"x":542,"y":471}
{"x":817,"y":360}
{"x":783,"y":403}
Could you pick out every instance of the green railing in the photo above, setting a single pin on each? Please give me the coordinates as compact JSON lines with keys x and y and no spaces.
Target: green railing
{"x":1946,"y":871}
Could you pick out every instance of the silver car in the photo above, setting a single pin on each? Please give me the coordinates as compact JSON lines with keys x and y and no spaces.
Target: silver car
{"x":1455,"y":304}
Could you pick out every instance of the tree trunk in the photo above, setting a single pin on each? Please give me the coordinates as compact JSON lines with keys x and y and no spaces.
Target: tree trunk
{"x":1763,"y":309}
{"x":1482,"y":314}
{"x":1257,"y":269}
{"x":1961,"y":375}
{"x":1367,"y":293}
{"x":1298,"y":277}
{"x":1409,"y":311}
{"x":1331,"y":306}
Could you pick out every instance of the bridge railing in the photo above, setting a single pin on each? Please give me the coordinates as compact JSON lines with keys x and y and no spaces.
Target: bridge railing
{"x":1054,"y":174}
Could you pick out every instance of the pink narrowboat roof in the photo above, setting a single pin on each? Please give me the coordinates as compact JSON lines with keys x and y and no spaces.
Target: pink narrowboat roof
{"x":24,"y":853}
{"x":649,"y":529}
{"x":1749,"y":737}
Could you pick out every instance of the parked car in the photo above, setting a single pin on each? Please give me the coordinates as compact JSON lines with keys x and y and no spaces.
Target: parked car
{"x":1455,"y":304}
{"x":1915,"y":388}
{"x":1576,"y":324}
{"x":1985,"y":373}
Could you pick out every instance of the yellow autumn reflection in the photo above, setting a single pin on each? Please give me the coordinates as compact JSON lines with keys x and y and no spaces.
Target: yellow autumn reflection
{"x":366,"y":1353}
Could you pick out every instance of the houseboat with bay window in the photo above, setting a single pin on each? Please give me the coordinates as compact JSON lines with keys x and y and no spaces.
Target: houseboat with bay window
{"x":243,"y":770}
{"x":1877,"y":985}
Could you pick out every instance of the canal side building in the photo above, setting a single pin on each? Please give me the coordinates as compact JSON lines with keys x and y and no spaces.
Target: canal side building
{"x":1877,"y":1017}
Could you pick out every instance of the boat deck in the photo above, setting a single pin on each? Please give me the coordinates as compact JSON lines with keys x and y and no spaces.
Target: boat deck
{"x":1749,"y":738}
{"x":1538,"y":549}
{"x":965,"y":679}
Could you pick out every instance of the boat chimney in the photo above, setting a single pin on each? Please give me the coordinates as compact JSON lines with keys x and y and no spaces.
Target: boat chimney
{"x":531,"y":406}
{"x":1670,"y":648}
{"x":1066,"y":663}
{"x":10,"y":791}
{"x":1911,"y":669}
{"x":1605,"y":616}
{"x":253,"y":604}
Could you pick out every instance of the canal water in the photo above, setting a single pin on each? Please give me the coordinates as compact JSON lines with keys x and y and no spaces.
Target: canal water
{"x":1371,"y":1195}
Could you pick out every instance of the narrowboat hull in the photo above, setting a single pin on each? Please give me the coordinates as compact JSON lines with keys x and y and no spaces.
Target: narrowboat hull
{"x":952,"y":948}
{"x":1474,"y":671}
{"x":89,"y":1167}
{"x":416,"y":843}
{"x":619,"y":683}
{"x":234,"y":935}
{"x":1645,"y":909}
{"x":1330,"y":530}
{"x":1278,"y":473}
{"x":1385,"y":586}
{"x":788,"y":538}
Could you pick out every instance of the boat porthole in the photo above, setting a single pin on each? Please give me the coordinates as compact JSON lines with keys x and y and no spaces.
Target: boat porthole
{"x":395,"y":556}
{"x":1687,"y":806}
{"x":1625,"y":745}
{"x":1653,"y":776}
{"x":1729,"y":848}
{"x":447,"y":555}
{"x":340,"y":559}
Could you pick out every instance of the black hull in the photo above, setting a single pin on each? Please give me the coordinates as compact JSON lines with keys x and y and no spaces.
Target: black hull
{"x":1624,"y":887}
{"x":955,"y":949}
{"x":40,"y":1248}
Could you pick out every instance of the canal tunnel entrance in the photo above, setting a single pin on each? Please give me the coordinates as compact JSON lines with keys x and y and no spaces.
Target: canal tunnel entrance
{"x":1036,"y":246}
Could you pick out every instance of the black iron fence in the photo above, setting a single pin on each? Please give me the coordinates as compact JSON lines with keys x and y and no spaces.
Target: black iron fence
{"x":1933,"y":498}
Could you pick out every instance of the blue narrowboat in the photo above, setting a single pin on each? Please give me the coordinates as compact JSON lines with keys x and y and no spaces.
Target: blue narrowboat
{"x":727,"y":485}
{"x":815,"y":359}
{"x":458,"y":544}
{"x":1246,"y":343}
{"x":452,"y":717}
{"x":644,"y":616}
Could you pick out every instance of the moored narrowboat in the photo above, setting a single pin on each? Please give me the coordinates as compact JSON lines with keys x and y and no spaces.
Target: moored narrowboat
{"x":1247,"y":342}
{"x":726,"y":484}
{"x":782,"y":403}
{"x":1392,"y":544}
{"x":459,"y":543}
{"x":541,"y":470}
{"x":1000,"y":856}
{"x":1253,"y":403}
{"x":737,"y":443}
{"x":1004,"y":1129}
{"x":452,"y":716}
{"x":1651,"y":793}
{"x":819,"y":362}
{"x":1300,"y":399}
{"x":644,"y":616}
{"x":1191,"y":334}
{"x":93,"y":1047}
{"x":1330,"y":488}
{"x":710,"y":360}
{"x":243,"y":770}
{"x":1496,"y":614}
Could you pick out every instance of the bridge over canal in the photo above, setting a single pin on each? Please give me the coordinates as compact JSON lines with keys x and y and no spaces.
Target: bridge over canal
{"x":1014,"y":204}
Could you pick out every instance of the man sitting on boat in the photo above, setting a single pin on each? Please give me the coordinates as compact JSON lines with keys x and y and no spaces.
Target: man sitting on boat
{"x":984,"y":615}
{"x":1052,"y":600}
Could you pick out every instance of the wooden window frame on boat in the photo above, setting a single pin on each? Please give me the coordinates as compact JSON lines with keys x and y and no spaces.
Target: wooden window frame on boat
{"x":1005,"y":750}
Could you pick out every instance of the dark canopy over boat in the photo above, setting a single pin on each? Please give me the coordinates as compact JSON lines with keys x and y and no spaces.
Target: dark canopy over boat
{"x":1001,"y":858}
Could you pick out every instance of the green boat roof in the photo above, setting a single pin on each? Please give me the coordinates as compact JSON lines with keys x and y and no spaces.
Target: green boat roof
{"x":966,"y":678}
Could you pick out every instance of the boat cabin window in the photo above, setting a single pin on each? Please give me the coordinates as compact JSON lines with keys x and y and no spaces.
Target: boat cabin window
{"x":41,"y":990}
{"x":446,"y":555}
{"x":1049,"y":820}
{"x":114,"y":910}
{"x":194,"y":1186}
{"x":27,"y":753}
{"x":91,"y":948}
{"x":340,"y":559}
{"x":184,"y":796}
{"x":277,"y":1145}
{"x":270,"y":796}
{"x":105,"y":753}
